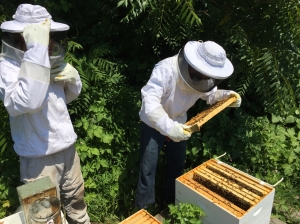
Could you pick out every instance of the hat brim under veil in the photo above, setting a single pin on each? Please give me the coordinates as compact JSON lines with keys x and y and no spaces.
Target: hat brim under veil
{"x":194,"y":57}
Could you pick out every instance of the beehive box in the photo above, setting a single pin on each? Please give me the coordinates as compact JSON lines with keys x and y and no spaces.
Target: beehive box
{"x":227,"y":195}
{"x":141,"y":217}
{"x":33,"y":191}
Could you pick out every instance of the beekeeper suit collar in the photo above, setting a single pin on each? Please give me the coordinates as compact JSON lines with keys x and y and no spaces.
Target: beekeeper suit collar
{"x":203,"y":65}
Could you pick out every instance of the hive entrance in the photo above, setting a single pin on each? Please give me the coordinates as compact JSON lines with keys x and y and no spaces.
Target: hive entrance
{"x":231,"y":189}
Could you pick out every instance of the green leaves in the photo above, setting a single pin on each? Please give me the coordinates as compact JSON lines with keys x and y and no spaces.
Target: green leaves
{"x":94,"y":151}
{"x":107,"y":138}
{"x":290,"y":119}
{"x":297,"y":149}
{"x":98,"y":132}
{"x":288,"y":170}
{"x":104,"y":163}
{"x":187,"y":13}
{"x":3,"y":142}
{"x":185,"y":213}
{"x":276,"y":119}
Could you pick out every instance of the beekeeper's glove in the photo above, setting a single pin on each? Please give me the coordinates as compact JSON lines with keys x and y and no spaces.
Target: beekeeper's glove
{"x":37,"y":33}
{"x":64,"y":72}
{"x":220,"y":94}
{"x":177,"y":132}
{"x":238,"y":101}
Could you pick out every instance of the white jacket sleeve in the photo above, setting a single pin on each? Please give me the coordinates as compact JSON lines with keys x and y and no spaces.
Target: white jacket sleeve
{"x":72,"y":91}
{"x":152,"y":94}
{"x":24,"y":89}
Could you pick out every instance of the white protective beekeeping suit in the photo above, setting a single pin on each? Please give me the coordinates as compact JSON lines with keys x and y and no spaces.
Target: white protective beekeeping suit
{"x":39,"y":119}
{"x":172,"y":90}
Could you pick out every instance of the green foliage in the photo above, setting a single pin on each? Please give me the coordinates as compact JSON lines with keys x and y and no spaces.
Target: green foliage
{"x":267,"y":51}
{"x":185,"y":213}
{"x":186,"y":10}
{"x":286,"y":205}
{"x":104,"y":138}
{"x":9,"y":168}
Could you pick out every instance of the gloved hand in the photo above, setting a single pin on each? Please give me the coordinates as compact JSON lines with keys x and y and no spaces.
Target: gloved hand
{"x":220,"y":94}
{"x":37,"y":33}
{"x":177,"y":133}
{"x":64,"y":72}
{"x":185,"y":128}
{"x":238,"y":101}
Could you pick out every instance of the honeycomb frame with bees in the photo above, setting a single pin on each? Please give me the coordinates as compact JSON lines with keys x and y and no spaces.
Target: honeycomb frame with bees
{"x":226,"y":194}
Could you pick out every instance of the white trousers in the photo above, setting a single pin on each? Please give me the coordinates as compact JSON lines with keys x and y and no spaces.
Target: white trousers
{"x":64,"y":170}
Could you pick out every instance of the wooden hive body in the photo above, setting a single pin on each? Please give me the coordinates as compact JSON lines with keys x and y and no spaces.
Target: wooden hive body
{"x":227,"y":195}
{"x":141,"y":217}
{"x":36,"y":190}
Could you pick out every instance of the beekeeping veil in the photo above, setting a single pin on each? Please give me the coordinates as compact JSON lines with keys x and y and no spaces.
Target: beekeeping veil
{"x":203,"y":65}
{"x":27,"y":14}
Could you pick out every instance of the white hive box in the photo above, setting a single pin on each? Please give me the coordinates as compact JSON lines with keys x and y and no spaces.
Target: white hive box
{"x":227,"y":195}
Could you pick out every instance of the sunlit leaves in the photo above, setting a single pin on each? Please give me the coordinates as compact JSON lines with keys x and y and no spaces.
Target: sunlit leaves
{"x":187,"y":13}
{"x":269,"y":56}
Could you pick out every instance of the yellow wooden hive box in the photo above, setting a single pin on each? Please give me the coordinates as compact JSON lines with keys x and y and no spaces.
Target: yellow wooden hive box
{"x":141,"y":217}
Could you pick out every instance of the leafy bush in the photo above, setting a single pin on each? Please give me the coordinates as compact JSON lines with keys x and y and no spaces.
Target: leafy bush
{"x":185,"y":213}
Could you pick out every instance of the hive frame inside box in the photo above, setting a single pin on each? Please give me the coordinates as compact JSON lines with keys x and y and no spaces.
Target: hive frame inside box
{"x":218,"y":210}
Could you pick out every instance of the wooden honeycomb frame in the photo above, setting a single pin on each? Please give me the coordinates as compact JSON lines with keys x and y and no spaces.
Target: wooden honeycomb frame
{"x":197,"y":121}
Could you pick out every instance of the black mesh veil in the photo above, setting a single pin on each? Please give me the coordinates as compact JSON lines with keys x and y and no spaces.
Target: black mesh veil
{"x":193,"y":78}
{"x":57,"y":44}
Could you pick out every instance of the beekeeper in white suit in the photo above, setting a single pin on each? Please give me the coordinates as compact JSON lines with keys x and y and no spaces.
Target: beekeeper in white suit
{"x":175,"y":85}
{"x":35,"y":86}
